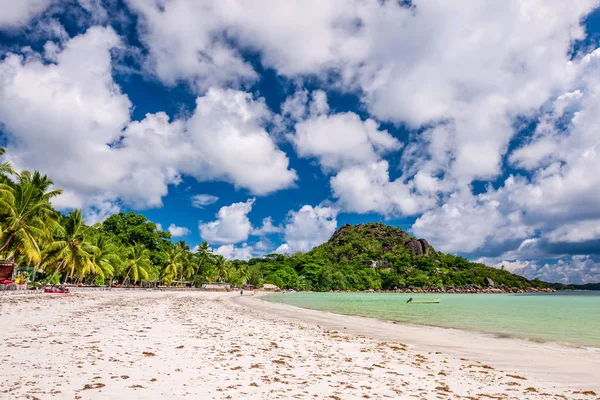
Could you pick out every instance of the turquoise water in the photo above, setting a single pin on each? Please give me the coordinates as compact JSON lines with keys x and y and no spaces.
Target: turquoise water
{"x":566,"y":317}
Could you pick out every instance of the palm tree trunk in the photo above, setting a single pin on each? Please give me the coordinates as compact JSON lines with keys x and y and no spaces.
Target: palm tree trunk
{"x":5,"y":245}
{"x":55,"y":271}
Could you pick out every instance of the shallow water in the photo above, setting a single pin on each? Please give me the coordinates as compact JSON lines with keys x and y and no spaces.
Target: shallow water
{"x":566,"y":317}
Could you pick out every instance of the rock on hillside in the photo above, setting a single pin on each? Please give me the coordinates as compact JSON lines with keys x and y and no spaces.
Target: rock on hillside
{"x":363,"y":237}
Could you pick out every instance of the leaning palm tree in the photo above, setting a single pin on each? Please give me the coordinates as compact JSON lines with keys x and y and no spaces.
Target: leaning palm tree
{"x":25,"y":211}
{"x":138,"y":264}
{"x":70,"y":252}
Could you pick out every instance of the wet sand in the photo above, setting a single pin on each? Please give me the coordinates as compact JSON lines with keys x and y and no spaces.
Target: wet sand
{"x":199,"y":345}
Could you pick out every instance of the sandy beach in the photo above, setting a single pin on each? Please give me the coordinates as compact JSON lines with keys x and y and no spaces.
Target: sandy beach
{"x":201,"y":345}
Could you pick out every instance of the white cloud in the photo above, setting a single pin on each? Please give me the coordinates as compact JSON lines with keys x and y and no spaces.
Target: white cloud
{"x":231,"y":226}
{"x":415,"y":65}
{"x":263,"y":245}
{"x":336,"y":140}
{"x":465,"y":223}
{"x":231,"y":252}
{"x":17,"y":13}
{"x":368,"y":188}
{"x":307,"y":228}
{"x":230,"y":143}
{"x":158,"y":226}
{"x":177,"y":231}
{"x":65,"y":105}
{"x":580,"y":231}
{"x":186,"y":42}
{"x":267,"y":228}
{"x":68,"y":111}
{"x":100,"y":212}
{"x":203,"y":200}
{"x":574,"y":269}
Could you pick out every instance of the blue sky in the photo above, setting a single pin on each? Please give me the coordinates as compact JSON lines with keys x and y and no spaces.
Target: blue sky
{"x":471,"y":124}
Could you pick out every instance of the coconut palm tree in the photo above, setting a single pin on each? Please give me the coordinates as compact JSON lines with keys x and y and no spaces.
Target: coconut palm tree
{"x":223,"y":268}
{"x":26,"y":214}
{"x":106,"y":259}
{"x":174,"y":263}
{"x":5,"y":168}
{"x":204,"y":256}
{"x":70,"y":252}
{"x":243,"y":273}
{"x":138,"y":264}
{"x":209,"y":274}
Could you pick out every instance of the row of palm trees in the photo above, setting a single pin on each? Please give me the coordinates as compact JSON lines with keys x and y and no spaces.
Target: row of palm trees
{"x":55,"y":245}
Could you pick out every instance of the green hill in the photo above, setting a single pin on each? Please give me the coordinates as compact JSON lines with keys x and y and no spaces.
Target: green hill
{"x":376,"y":256}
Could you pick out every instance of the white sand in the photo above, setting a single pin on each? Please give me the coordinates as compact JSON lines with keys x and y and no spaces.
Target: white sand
{"x":154,"y":345}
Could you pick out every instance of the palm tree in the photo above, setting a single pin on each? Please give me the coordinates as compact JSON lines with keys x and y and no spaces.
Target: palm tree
{"x":210,"y":274}
{"x":174,"y":263}
{"x":139,"y":263}
{"x":223,"y":268}
{"x":70,"y":252}
{"x":243,"y":273}
{"x":187,"y":268}
{"x":204,"y":255}
{"x":106,"y":260}
{"x":5,"y":168}
{"x":26,"y":213}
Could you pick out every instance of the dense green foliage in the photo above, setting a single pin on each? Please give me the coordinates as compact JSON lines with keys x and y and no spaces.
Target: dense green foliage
{"x":376,"y":256}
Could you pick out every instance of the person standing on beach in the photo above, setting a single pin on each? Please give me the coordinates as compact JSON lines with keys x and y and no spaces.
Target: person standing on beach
{"x":242,"y":292}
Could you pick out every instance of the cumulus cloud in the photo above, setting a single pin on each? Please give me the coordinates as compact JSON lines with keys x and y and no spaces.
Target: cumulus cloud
{"x":368,"y":188}
{"x":307,"y":228}
{"x":267,"y":228}
{"x":231,"y":226}
{"x":336,"y":140}
{"x":186,"y":42}
{"x":227,"y":133}
{"x":580,"y":231}
{"x":203,"y":200}
{"x":177,"y":231}
{"x":231,"y":252}
{"x":578,"y":269}
{"x":18,"y":13}
{"x":465,"y":223}
{"x":386,"y":49}
{"x":64,"y":104}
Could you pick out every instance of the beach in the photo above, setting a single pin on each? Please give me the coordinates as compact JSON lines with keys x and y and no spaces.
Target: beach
{"x":205,"y":345}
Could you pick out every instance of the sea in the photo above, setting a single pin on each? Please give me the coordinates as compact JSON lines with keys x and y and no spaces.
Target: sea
{"x":567,"y":317}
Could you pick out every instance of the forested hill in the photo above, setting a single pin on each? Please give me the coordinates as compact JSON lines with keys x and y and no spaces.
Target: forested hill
{"x":377,"y":256}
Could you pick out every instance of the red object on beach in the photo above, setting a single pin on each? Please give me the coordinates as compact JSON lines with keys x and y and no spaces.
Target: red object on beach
{"x":56,"y":290}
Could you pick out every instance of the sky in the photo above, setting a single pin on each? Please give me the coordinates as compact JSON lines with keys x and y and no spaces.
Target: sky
{"x":263,"y":126}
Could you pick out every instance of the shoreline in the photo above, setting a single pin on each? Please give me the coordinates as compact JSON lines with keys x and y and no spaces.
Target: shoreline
{"x":562,"y":366}
{"x":491,"y":335}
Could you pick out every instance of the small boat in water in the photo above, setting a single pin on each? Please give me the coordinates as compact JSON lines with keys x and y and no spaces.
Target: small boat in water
{"x":423,"y":301}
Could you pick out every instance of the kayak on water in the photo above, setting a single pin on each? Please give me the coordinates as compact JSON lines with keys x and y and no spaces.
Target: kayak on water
{"x":423,"y":301}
